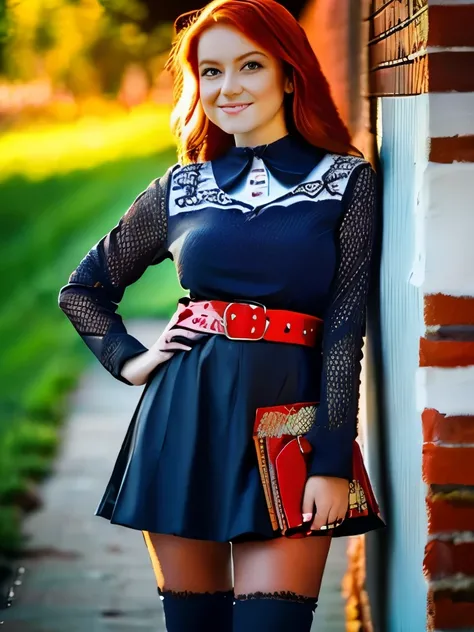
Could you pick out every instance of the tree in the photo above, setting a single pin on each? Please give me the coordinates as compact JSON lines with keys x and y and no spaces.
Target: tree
{"x":3,"y":31}
{"x":149,"y":13}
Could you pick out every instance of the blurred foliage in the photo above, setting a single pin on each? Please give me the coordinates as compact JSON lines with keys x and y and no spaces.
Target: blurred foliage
{"x":149,"y":13}
{"x":9,"y":527}
{"x":78,"y":45}
{"x":82,"y":135}
{"x":51,"y":218}
{"x":3,"y":31}
{"x":126,"y":10}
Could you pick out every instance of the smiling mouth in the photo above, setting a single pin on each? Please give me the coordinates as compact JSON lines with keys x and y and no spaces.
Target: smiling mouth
{"x":234,"y":109}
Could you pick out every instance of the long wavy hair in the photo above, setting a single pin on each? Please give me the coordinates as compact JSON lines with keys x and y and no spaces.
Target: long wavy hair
{"x":309,"y":110}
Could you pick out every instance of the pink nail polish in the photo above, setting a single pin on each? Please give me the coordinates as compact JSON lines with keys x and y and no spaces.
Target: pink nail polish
{"x":307,"y":517}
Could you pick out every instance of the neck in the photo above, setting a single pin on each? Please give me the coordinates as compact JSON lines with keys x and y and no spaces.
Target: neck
{"x":264,"y":135}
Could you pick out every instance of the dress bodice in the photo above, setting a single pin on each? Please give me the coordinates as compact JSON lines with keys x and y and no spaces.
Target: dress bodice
{"x":279,"y":250}
{"x":308,"y":249}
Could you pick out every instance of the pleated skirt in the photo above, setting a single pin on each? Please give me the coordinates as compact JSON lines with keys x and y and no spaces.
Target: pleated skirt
{"x":188,"y":465}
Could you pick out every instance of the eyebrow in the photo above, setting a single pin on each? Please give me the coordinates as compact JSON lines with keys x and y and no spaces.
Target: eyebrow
{"x":252,"y":52}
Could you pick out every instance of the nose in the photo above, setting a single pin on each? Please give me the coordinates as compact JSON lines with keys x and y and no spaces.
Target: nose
{"x":231,"y":84}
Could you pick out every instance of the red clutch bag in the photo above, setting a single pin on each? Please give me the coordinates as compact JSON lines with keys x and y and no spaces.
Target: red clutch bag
{"x":283,"y":456}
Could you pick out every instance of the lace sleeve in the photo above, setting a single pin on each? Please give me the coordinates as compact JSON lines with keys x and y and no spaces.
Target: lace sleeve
{"x":344,"y":327}
{"x":97,"y":285}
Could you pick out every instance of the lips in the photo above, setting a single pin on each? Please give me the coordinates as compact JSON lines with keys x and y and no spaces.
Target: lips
{"x":234,"y":108}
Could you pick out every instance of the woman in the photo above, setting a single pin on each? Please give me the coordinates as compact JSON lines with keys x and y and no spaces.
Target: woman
{"x":268,"y":212}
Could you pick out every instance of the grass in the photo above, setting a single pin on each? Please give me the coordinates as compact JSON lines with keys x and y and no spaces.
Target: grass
{"x":48,"y":226}
{"x":64,"y":148}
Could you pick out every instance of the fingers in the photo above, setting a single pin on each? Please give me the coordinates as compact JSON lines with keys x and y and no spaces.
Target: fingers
{"x":182,"y":336}
{"x":326,"y":520}
{"x":175,"y":339}
{"x":174,"y":346}
{"x":178,"y":339}
{"x":323,"y":511}
{"x":307,"y":506}
{"x":185,"y":333}
{"x":327,"y":516}
{"x":321,"y":519}
{"x":331,"y":520}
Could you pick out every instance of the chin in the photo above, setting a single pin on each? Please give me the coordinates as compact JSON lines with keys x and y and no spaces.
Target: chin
{"x":235,"y":126}
{"x":237,"y":129}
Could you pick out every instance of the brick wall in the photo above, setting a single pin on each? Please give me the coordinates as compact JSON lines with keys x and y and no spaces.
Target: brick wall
{"x":426,"y":47}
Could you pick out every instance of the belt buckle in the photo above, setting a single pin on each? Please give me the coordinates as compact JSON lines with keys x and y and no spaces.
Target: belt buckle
{"x":253,"y":312}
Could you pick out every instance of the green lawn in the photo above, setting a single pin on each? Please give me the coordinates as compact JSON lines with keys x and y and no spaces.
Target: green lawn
{"x":47,"y":227}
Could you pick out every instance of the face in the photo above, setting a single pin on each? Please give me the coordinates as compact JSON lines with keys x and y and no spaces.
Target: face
{"x":241,"y":86}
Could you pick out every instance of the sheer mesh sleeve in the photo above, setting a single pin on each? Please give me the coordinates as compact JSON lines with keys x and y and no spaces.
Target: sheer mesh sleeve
{"x":97,"y":285}
{"x":344,"y":327}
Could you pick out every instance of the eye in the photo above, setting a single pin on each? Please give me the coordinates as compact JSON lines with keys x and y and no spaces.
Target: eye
{"x":255,"y":65}
{"x":206,"y":72}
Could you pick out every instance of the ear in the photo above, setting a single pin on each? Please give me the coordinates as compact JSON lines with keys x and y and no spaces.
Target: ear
{"x":288,"y":86}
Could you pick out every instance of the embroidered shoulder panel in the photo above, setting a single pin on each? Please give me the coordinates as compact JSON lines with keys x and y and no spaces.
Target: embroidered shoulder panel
{"x":332,"y":179}
{"x":193,"y":186}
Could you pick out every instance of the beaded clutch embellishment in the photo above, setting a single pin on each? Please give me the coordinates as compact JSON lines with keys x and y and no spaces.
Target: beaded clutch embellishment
{"x":283,"y":455}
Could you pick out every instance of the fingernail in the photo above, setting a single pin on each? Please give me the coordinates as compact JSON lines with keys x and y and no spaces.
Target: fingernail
{"x":323,"y":528}
{"x":307,"y":517}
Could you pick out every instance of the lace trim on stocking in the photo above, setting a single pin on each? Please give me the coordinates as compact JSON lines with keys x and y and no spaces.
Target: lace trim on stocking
{"x":186,"y":594}
{"x":285,"y":595}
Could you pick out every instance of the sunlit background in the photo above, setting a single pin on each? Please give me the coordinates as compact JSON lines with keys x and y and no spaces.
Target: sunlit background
{"x":84,"y":110}
{"x":84,"y":128}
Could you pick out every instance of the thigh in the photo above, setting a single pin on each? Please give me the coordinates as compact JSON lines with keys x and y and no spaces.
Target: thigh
{"x":185,"y":564}
{"x":282,"y":564}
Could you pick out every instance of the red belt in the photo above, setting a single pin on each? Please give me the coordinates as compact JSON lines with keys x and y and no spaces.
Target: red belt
{"x":249,"y":321}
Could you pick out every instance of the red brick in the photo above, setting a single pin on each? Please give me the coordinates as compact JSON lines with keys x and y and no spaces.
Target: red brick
{"x":448,"y":466}
{"x":443,"y":559}
{"x":455,"y":149}
{"x":451,"y":25}
{"x":448,"y":614}
{"x":401,"y":43}
{"x":446,"y":516}
{"x":446,"y":353}
{"x":454,"y":429}
{"x":451,"y":71}
{"x":393,"y":15}
{"x":399,"y":80}
{"x":441,"y":309}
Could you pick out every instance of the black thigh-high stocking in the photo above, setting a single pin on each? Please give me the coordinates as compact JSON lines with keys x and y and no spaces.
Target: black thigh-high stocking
{"x":273,"y":612}
{"x":277,"y":583}
{"x":188,"y":611}
{"x":194,"y":581}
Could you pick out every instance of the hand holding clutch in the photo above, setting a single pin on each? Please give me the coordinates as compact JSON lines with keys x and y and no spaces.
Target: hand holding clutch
{"x":283,"y":454}
{"x":331,"y":497}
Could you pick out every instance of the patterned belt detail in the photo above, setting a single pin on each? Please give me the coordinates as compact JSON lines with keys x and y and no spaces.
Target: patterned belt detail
{"x":249,"y":321}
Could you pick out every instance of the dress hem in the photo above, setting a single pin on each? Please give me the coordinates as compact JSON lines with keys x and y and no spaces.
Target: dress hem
{"x":372,"y":523}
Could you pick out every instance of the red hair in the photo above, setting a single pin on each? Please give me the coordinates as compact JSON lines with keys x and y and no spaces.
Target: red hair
{"x":309,"y":110}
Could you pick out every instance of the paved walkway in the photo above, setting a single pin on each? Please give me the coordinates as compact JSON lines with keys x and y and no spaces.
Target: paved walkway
{"x":83,"y":574}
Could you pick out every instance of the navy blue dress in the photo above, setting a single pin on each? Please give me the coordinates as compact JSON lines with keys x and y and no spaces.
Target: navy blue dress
{"x":187,"y":465}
